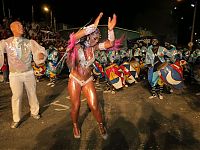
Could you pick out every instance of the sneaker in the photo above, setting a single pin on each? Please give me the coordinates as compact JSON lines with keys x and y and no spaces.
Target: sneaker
{"x":50,"y":83}
{"x":106,"y":91}
{"x":160,"y":96}
{"x":36,"y":116}
{"x":198,"y":93}
{"x":53,"y":85}
{"x":14,"y":125}
{"x":153,"y":96}
{"x":113,"y":92}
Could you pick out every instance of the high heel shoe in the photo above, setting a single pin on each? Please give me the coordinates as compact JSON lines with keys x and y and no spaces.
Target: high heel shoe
{"x":103,"y":131}
{"x":76,"y":131}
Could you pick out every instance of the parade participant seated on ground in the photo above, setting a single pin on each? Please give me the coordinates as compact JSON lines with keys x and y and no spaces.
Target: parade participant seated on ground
{"x":80,"y":57}
{"x":20,"y":52}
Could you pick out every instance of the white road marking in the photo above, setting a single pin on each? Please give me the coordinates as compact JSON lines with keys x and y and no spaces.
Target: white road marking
{"x":56,"y":103}
{"x":84,"y":99}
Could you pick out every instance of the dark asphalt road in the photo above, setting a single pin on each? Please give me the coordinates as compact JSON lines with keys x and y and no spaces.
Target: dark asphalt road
{"x":134,"y":122}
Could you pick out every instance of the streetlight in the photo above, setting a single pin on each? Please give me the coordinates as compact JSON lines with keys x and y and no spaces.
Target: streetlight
{"x":190,"y":43}
{"x":46,"y":9}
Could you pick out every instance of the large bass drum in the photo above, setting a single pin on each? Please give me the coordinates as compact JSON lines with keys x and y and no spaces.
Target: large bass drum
{"x":136,"y":67}
{"x":129,"y":72}
{"x":39,"y":71}
{"x":172,"y":74}
{"x":115,"y":76}
{"x":98,"y":69}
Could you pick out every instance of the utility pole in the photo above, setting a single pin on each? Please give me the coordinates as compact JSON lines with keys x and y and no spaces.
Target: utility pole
{"x":4,"y":14}
{"x":51,"y":13}
{"x":9,"y":14}
{"x":55,"y":24}
{"x":190,"y":44}
{"x":32,"y":13}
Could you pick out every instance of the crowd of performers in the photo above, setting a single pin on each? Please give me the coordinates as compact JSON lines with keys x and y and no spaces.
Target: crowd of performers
{"x":163,"y":65}
{"x":123,"y":66}
{"x":49,"y":68}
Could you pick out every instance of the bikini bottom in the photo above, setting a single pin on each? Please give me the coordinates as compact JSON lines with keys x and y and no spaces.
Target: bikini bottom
{"x":81,"y":82}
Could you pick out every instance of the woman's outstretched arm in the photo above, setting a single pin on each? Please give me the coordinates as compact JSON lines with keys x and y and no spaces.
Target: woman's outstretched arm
{"x":111,"y":36}
{"x":89,"y":29}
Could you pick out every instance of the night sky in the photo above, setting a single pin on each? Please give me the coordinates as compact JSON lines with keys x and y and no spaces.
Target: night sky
{"x":78,"y":12}
{"x":157,"y":16}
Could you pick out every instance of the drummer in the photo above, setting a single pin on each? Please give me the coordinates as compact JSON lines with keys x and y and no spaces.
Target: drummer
{"x":155,"y":60}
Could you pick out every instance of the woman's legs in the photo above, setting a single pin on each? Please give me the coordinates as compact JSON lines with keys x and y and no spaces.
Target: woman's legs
{"x":74,"y":90}
{"x":91,"y":95}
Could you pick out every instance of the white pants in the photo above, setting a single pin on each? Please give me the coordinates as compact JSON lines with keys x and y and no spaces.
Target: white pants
{"x":17,"y":82}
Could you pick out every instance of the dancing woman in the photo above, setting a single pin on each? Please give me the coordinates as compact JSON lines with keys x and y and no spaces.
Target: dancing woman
{"x":82,"y":45}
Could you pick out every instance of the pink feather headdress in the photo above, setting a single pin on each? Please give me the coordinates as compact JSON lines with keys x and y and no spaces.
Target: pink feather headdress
{"x":72,"y":54}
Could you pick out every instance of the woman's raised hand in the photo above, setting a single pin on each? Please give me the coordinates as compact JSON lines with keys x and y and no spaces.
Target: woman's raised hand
{"x":96,"y":22}
{"x":112,"y":22}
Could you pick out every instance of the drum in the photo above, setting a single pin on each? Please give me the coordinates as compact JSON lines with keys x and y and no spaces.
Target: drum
{"x":171,"y":75}
{"x":162,"y":66}
{"x":136,"y":66}
{"x":115,"y":76}
{"x":39,"y":71}
{"x":178,"y":66}
{"x":129,"y":72}
{"x":98,"y":69}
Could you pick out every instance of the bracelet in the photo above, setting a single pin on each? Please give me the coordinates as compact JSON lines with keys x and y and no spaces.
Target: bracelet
{"x":111,"y":35}
{"x":89,"y":29}
{"x":101,"y":46}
